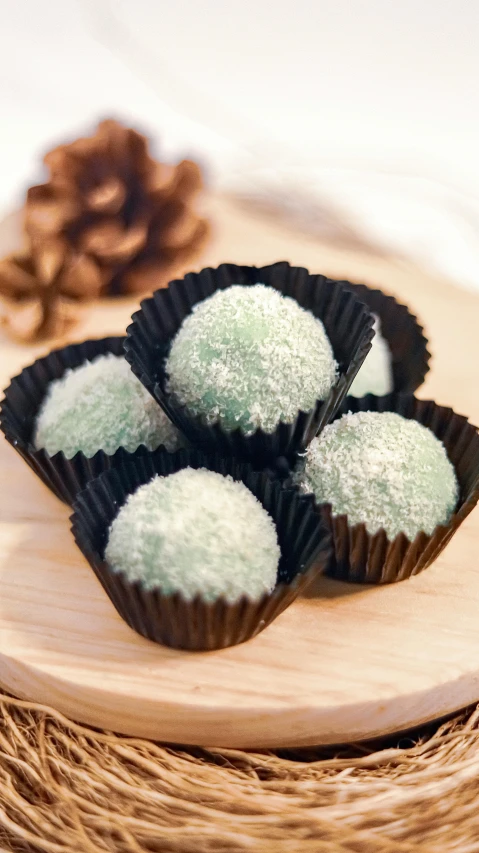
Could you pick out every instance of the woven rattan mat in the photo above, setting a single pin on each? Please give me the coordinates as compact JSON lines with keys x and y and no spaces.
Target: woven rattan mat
{"x":65,"y":788}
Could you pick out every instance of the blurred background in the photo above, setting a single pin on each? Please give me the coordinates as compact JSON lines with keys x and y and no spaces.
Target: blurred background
{"x":358,"y":119}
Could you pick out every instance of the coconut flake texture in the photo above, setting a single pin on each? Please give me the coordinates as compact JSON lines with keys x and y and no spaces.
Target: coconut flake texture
{"x":383,"y":470}
{"x":375,"y":375}
{"x":101,"y":405}
{"x":249,"y":357}
{"x":196,"y":532}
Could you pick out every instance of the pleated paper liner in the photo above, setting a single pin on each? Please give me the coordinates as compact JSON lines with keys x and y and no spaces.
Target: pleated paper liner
{"x":347,"y":321}
{"x":65,"y":477}
{"x":197,"y":624}
{"x":404,"y":335}
{"x":361,"y":557}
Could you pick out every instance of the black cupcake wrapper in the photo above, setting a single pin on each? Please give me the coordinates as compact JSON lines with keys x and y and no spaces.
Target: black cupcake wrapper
{"x":361,"y":557}
{"x":65,"y":477}
{"x":199,"y":625}
{"x":404,"y":335}
{"x":347,"y":321}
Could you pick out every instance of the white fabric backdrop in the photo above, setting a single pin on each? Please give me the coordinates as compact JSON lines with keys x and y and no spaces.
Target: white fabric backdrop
{"x":368,"y":106}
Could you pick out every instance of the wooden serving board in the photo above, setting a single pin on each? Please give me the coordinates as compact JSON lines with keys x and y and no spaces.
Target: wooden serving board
{"x":345,"y":663}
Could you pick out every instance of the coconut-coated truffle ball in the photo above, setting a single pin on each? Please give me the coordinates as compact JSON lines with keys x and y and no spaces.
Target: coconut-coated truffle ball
{"x":101,"y":405}
{"x":383,"y":470}
{"x":196,"y":532}
{"x":249,"y":357}
{"x":375,"y":375}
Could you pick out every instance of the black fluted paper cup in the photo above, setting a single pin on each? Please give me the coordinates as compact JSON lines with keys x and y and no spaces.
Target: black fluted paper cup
{"x":403,"y":334}
{"x":347,"y":321}
{"x":196,"y":624}
{"x":18,"y":410}
{"x":361,"y":557}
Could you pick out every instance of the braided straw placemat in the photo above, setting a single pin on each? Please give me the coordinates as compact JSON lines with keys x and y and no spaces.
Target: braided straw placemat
{"x":65,"y":788}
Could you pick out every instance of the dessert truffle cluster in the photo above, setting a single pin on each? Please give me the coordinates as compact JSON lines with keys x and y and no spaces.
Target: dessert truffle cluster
{"x":258,"y":362}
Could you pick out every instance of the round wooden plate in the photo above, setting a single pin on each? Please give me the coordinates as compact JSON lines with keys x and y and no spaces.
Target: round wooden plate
{"x":345,"y":663}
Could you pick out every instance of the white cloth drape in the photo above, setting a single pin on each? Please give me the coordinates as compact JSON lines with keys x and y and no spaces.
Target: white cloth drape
{"x":355,"y":115}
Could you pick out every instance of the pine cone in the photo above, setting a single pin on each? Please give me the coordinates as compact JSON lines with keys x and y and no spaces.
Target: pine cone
{"x":123,"y":218}
{"x":110,"y":220}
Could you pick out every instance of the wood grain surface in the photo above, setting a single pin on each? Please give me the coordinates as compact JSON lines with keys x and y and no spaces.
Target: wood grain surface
{"x":344,"y":663}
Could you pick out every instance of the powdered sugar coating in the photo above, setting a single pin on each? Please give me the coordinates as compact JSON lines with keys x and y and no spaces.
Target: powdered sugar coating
{"x":383,"y":470}
{"x":101,"y":405}
{"x":196,"y":532}
{"x":375,"y":374}
{"x":249,"y":357}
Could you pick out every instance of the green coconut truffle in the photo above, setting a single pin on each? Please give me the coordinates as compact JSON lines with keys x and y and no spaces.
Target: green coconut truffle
{"x":101,"y":405}
{"x":196,"y":532}
{"x":375,"y":376}
{"x":249,"y":357}
{"x":383,"y":470}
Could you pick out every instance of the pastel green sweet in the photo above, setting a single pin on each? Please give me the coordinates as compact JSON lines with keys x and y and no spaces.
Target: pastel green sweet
{"x":383,"y":470}
{"x":101,"y":405}
{"x":196,"y":532}
{"x":249,"y":357}
{"x":375,"y":374}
